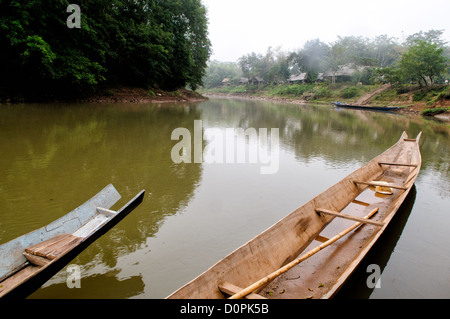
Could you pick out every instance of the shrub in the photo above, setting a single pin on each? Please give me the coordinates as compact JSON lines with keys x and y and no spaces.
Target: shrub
{"x":238,"y":89}
{"x":435,"y":111}
{"x":402,"y":89}
{"x":349,"y":92}
{"x":292,"y":90}
{"x":436,"y":97}
{"x":445,"y":95}
{"x":321,"y":93}
{"x":419,"y":95}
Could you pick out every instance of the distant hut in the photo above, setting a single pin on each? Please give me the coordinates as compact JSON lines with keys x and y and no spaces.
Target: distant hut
{"x":297,"y":78}
{"x":320,"y":77}
{"x":344,"y":73}
{"x":226,"y":82}
{"x":243,"y":81}
{"x":256,"y":80}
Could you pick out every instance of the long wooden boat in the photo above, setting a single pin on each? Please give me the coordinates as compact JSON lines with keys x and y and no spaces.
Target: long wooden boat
{"x":365,"y":107}
{"x":311,"y":252}
{"x":30,"y":260}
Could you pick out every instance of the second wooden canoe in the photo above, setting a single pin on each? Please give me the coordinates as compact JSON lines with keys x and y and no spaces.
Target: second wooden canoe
{"x":30,"y":260}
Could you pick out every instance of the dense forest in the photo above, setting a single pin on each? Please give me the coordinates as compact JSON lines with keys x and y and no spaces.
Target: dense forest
{"x":422,"y":58}
{"x":140,"y":43}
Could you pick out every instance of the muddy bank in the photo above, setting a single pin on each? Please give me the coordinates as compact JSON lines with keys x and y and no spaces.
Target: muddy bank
{"x":261,"y":98}
{"x":414,"y":109}
{"x":138,"y":95}
{"x":115,"y":95}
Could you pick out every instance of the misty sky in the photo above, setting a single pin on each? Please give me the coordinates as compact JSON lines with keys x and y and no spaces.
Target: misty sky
{"x":238,"y":27}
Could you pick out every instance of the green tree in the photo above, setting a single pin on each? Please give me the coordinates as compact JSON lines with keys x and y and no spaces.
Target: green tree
{"x":384,"y":50}
{"x":273,"y":67}
{"x":217,"y":71}
{"x":391,"y":74}
{"x":276,"y":68}
{"x":335,"y":60}
{"x":41,"y":55}
{"x":310,"y":59}
{"x":423,"y":62}
{"x":121,"y":42}
{"x":251,"y":64}
{"x":355,"y":50}
{"x":432,"y":36}
{"x":280,"y":71}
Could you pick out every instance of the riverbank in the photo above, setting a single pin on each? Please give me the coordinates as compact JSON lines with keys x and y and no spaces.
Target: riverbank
{"x":117,"y":95}
{"x":411,"y":99}
{"x":258,"y":98}
{"x":139,"y":95}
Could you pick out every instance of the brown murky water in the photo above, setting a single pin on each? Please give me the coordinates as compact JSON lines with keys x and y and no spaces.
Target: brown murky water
{"x":55,"y":157}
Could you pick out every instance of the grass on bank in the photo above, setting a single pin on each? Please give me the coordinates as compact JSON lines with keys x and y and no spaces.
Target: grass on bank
{"x":320,"y":92}
{"x":402,"y":95}
{"x":435,"y":111}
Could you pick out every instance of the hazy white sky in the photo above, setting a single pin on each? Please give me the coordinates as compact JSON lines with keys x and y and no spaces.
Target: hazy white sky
{"x":238,"y":27}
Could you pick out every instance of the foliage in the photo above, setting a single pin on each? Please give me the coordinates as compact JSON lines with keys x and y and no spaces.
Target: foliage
{"x":390,"y":74}
{"x":423,"y":62}
{"x":379,"y":60}
{"x":321,"y":92}
{"x":143,"y":43}
{"x":419,"y":95}
{"x":435,"y":111}
{"x":310,"y":59}
{"x":273,"y":67}
{"x":217,"y":71}
{"x":431,"y":36}
{"x":292,"y":90}
{"x":349,"y":92}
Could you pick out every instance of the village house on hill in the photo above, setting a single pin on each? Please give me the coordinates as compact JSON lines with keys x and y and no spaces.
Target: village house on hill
{"x":343,"y":74}
{"x":255,"y":80}
{"x":302,"y":78}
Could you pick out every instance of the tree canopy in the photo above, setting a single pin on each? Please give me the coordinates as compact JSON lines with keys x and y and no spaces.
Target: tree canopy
{"x":423,"y":62}
{"x":144,"y":43}
{"x":422,"y":58}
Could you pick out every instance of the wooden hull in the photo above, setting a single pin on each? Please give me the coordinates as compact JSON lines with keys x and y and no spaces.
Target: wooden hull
{"x":29,"y":261}
{"x":303,"y":230}
{"x":362,"y":107}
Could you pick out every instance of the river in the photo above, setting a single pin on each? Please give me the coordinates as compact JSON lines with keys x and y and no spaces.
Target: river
{"x":57,"y":156}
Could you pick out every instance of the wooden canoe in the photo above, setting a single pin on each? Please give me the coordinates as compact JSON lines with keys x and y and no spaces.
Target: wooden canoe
{"x":365,"y":107}
{"x":30,"y":260}
{"x":311,"y":252}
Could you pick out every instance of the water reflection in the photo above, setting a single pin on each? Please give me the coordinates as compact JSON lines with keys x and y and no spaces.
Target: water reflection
{"x":55,"y":157}
{"x":58,"y":156}
{"x":380,"y":253}
{"x":93,"y":287}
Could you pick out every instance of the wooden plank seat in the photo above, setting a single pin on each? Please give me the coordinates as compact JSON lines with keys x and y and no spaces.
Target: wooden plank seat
{"x":41,"y":253}
{"x":36,"y":260}
{"x":378,"y":183}
{"x":53,"y":248}
{"x":230,"y":289}
{"x":355,"y":218}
